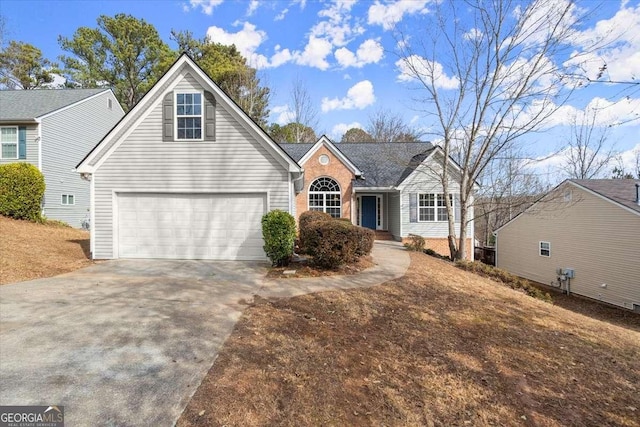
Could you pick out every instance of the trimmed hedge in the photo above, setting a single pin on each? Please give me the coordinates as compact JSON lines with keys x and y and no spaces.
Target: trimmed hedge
{"x":21,"y":191}
{"x":514,"y":282}
{"x":415,"y":243}
{"x":333,"y":242}
{"x":279,"y":233}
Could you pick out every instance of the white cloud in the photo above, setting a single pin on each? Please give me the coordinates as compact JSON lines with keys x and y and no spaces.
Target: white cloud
{"x":618,"y":46}
{"x":281,"y":15}
{"x":369,"y":52}
{"x":341,"y":128}
{"x":247,"y":40}
{"x":253,"y":6}
{"x":388,"y":15}
{"x":473,"y":34}
{"x":358,"y":96}
{"x":315,"y":53}
{"x":207,"y":6}
{"x":337,"y":28}
{"x":415,"y":65}
{"x":283,"y":114}
{"x":280,"y":57}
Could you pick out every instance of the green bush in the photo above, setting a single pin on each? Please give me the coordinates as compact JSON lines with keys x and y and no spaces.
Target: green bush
{"x":279,"y":233}
{"x":415,"y":243}
{"x":21,"y":191}
{"x":514,"y":282}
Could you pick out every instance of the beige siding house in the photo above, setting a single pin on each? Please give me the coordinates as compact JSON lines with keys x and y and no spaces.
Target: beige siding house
{"x":583,"y":237}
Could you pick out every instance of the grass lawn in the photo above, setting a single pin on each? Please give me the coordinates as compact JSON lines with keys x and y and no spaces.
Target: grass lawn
{"x":438,"y":347}
{"x":31,"y":251}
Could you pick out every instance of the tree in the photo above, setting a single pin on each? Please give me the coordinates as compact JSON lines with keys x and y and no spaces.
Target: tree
{"x":291,"y":133}
{"x":356,"y":135}
{"x":228,"y":68}
{"x":123,"y":52}
{"x":304,"y":112}
{"x":385,"y":126}
{"x":587,"y":153}
{"x":495,"y":80}
{"x":23,"y":67}
{"x":620,"y":171}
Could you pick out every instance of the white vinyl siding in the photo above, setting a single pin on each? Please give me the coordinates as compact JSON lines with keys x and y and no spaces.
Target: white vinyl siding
{"x":67,"y":136}
{"x":425,"y":180}
{"x":394,"y":215}
{"x":235,"y":162}
{"x":595,"y":237}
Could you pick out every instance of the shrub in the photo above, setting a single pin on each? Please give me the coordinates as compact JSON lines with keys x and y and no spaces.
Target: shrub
{"x":311,"y":216}
{"x":21,"y":191}
{"x":364,"y":238}
{"x":514,"y":282}
{"x":331,"y":243}
{"x":279,"y":232}
{"x":415,"y":243}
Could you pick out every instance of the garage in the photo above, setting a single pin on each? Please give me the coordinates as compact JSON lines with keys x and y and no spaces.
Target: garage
{"x":190,"y":226}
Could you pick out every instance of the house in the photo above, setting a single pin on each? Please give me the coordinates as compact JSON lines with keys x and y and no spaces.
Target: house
{"x":186,"y":174}
{"x":584,"y":237}
{"x":53,"y":130}
{"x":393,"y":187}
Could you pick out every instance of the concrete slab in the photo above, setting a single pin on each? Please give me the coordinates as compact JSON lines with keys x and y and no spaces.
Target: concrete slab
{"x":127,"y":342}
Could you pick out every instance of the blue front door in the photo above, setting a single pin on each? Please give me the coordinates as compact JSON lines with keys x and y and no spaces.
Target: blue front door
{"x":369,"y":217}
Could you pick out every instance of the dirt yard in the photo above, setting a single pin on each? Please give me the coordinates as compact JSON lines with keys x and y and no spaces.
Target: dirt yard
{"x":438,"y":347}
{"x":31,"y":251}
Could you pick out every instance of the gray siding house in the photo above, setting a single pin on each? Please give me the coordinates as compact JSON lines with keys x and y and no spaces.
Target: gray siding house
{"x":186,"y":174}
{"x":584,"y":237}
{"x":54,"y":130}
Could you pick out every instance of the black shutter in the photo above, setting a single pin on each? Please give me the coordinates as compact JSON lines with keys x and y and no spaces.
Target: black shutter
{"x":209,"y":117}
{"x":413,"y":207}
{"x":167,"y":117}
{"x":22,"y":142}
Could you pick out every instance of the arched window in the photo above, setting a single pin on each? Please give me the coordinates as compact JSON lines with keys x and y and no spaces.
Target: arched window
{"x":324,"y":196}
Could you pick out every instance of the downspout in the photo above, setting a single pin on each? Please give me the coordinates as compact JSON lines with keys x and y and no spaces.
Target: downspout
{"x":39,"y":146}
{"x":92,"y":213}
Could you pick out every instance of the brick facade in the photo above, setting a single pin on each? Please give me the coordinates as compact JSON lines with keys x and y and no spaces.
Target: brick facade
{"x":336,"y":170}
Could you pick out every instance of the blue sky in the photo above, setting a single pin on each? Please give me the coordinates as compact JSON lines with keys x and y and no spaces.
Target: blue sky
{"x":343,"y":51}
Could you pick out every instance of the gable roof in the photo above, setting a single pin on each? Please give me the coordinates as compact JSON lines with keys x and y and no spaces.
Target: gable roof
{"x":28,"y":105}
{"x":381,"y":164}
{"x":621,"y":191}
{"x":326,"y":142}
{"x":119,"y":132}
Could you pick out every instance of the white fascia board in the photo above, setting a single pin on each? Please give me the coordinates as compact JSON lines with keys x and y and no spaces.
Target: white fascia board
{"x":332,"y":148}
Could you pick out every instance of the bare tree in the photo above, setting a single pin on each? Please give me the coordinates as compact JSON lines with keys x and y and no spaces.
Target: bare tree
{"x":588,"y":152}
{"x":304,"y":111}
{"x":493,"y":82}
{"x":386,"y":126}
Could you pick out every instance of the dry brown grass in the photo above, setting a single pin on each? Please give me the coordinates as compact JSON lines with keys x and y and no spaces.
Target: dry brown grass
{"x":31,"y":251}
{"x":438,"y":347}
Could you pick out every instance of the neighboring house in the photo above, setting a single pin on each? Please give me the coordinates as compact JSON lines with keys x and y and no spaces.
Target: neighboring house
{"x":393,"y":187}
{"x":186,"y":175}
{"x":583,"y":236}
{"x":53,"y":130}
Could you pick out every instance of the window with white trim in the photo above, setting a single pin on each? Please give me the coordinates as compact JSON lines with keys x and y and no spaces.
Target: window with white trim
{"x":432,"y":207}
{"x":189,"y":116}
{"x":9,"y":142}
{"x":324,"y":196}
{"x":545,"y":249}
{"x":68,"y":199}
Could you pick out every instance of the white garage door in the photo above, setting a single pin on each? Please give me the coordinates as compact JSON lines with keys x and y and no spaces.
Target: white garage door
{"x":190,"y":226}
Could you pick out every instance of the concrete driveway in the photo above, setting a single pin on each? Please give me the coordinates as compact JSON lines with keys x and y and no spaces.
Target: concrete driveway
{"x":126,"y":343}
{"x":122,"y":342}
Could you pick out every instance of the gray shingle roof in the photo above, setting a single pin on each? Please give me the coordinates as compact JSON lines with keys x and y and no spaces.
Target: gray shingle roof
{"x":30,"y":104}
{"x":382,"y":164}
{"x":622,"y":191}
